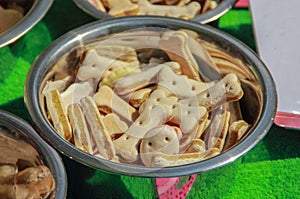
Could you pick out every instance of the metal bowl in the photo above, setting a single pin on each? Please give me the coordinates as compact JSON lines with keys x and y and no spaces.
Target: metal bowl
{"x":262,"y":117}
{"x":35,"y":11}
{"x":49,"y":156}
{"x":204,"y":18}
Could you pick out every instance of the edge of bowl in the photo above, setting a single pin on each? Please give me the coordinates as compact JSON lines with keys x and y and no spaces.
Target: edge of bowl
{"x":204,"y":18}
{"x":69,"y":40}
{"x":53,"y":161}
{"x":34,"y":15}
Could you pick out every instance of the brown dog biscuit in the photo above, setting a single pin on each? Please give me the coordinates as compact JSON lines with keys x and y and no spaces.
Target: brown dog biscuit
{"x":114,"y":125}
{"x":139,"y":96}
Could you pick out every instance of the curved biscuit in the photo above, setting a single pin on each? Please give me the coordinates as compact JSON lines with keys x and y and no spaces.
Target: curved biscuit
{"x":139,"y":96}
{"x":58,"y":115}
{"x":95,"y":122}
{"x":164,"y":160}
{"x":236,"y":131}
{"x":81,"y":134}
{"x":217,"y":131}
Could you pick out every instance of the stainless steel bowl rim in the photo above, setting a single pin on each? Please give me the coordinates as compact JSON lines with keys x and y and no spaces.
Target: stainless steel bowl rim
{"x":95,"y":29}
{"x":50,"y":157}
{"x":32,"y":17}
{"x":204,"y":18}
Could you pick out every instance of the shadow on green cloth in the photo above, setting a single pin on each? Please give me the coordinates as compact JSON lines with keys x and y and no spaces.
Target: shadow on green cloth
{"x":61,"y":18}
{"x":16,"y":107}
{"x":244,"y":33}
{"x":85,"y":182}
{"x":282,"y":143}
{"x":278,"y":144}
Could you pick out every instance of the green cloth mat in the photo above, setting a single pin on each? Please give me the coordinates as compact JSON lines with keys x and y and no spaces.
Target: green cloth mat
{"x":270,"y":170}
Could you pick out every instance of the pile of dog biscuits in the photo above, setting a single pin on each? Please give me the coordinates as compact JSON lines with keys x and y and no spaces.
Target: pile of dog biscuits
{"x":146,"y":98}
{"x":185,"y":9}
{"x":22,"y":173}
{"x":10,"y":15}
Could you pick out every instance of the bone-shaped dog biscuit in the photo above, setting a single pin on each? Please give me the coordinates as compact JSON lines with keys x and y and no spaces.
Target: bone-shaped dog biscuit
{"x":176,"y":46}
{"x":121,"y":8}
{"x":177,"y":84}
{"x":95,"y":122}
{"x":59,"y":85}
{"x":93,"y":66}
{"x":188,"y":117}
{"x":160,"y":96}
{"x":159,"y":139}
{"x":226,"y":90}
{"x":107,"y":101}
{"x":126,"y":145}
{"x":140,"y":80}
{"x":189,"y":11}
{"x":115,"y":75}
{"x":103,"y":59}
{"x":75,"y":92}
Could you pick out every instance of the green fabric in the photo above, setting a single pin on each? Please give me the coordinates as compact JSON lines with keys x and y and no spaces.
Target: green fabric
{"x":270,"y":170}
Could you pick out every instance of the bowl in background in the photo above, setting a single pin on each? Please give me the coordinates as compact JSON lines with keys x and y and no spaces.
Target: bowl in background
{"x":257,"y":108}
{"x":34,"y":12}
{"x":20,"y":129}
{"x":206,"y":17}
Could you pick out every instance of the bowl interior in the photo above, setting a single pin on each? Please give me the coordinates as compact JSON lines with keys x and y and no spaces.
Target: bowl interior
{"x":210,"y":15}
{"x":32,"y":10}
{"x":17,"y":129}
{"x":257,"y":106}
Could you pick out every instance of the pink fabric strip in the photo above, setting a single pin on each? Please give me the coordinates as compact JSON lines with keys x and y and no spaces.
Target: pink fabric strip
{"x":168,"y":187}
{"x":288,"y":120}
{"x":242,"y":3}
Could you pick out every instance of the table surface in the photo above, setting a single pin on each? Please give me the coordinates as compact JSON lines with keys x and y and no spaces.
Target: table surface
{"x":270,"y":170}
